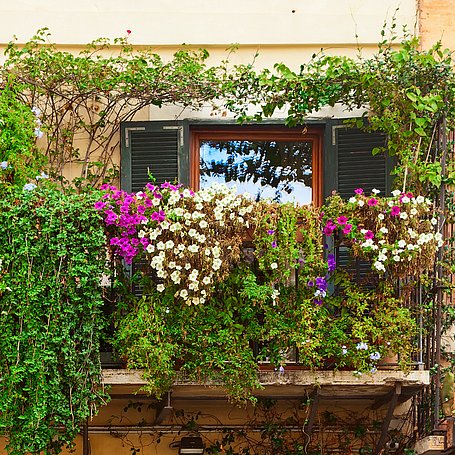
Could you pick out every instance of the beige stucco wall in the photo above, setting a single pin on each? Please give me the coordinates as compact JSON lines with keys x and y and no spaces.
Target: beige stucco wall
{"x":204,"y":22}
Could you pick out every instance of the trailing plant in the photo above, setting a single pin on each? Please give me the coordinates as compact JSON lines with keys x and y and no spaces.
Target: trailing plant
{"x":82,"y":98}
{"x":283,"y":295}
{"x":404,"y":91}
{"x":51,"y":262}
{"x":397,"y":234}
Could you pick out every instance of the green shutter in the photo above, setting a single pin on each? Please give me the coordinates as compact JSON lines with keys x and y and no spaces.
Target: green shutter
{"x":352,"y":166}
{"x":356,"y":165}
{"x":160,"y":148}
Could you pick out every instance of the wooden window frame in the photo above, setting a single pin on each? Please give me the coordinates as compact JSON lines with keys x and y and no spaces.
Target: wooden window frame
{"x":264,"y":133}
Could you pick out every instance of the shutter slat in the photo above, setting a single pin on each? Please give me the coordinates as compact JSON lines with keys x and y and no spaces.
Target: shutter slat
{"x":357,"y":167}
{"x":155,"y":152}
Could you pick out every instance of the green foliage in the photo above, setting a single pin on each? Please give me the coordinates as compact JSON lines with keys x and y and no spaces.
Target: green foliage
{"x":51,"y":261}
{"x":404,"y":91}
{"x":84,"y":97}
{"x":22,"y":161}
{"x":274,"y":296}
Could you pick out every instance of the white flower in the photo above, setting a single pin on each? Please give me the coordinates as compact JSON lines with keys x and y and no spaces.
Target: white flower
{"x":169,"y":244}
{"x":403,"y":215}
{"x":384,"y":230}
{"x":381,"y":216}
{"x":434,"y":221}
{"x":184,"y":293}
{"x":150,"y":248}
{"x":203,"y":224}
{"x":375,"y":191}
{"x":381,"y":242}
{"x":420,"y":199}
{"x":216,"y":264}
{"x":413,"y":211}
{"x":160,"y":288}
{"x":352,"y":200}
{"x":382,"y":257}
{"x":193,"y":248}
{"x":175,"y":227}
{"x":206,"y":280}
{"x":361,"y":203}
{"x":273,"y":265}
{"x":405,"y":200}
{"x":438,"y":236}
{"x":396,"y":193}
{"x":401,"y":243}
{"x":187,"y":266}
{"x":379,"y":266}
{"x":160,"y":246}
{"x":156,"y":201}
{"x":391,"y":203}
{"x":192,"y":232}
{"x":396,"y":258}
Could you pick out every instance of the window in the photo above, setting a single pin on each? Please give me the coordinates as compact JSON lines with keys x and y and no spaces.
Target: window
{"x":278,"y":163}
{"x":341,"y":158}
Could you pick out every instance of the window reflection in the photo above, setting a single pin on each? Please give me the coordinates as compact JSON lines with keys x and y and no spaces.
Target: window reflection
{"x":277,"y":170}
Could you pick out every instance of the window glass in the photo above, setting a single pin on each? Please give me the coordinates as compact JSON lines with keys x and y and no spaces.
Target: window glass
{"x":280,"y":170}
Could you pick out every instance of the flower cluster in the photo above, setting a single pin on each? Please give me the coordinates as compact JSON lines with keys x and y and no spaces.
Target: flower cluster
{"x":190,"y":240}
{"x":397,"y":233}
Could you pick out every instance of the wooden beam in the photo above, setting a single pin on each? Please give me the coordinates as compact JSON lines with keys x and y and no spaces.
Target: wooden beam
{"x":385,"y":425}
{"x":163,"y":410}
{"x":308,"y":429}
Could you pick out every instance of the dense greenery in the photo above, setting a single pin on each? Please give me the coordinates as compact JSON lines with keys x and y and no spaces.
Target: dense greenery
{"x":51,"y":317}
{"x":52,"y":255}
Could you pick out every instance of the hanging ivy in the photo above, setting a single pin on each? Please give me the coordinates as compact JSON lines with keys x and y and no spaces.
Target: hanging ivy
{"x":51,"y":263}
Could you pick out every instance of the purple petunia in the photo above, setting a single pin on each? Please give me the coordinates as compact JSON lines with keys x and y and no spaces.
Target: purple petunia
{"x":271,"y":231}
{"x":358,"y":191}
{"x":369,"y":235}
{"x":395,"y":210}
{"x":331,"y":262}
{"x":274,"y":244}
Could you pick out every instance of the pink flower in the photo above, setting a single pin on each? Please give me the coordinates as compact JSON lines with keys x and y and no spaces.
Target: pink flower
{"x":395,"y":210}
{"x":358,"y":191}
{"x":368,"y":235}
{"x":129,"y":32}
{"x":347,"y":229}
{"x":372,"y":202}
{"x":342,"y":220}
{"x":329,"y":228}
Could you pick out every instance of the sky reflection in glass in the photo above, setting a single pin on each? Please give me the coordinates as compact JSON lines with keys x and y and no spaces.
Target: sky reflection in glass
{"x":276,"y":170}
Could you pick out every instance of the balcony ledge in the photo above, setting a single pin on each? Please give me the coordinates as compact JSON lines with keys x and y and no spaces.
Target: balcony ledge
{"x":288,"y":384}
